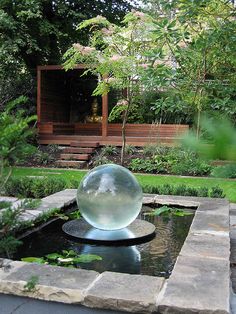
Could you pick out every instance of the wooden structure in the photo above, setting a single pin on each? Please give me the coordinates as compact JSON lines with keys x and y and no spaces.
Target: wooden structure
{"x":62,"y":99}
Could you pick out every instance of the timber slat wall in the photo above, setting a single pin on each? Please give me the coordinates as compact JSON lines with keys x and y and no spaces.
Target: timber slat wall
{"x":137,"y":134}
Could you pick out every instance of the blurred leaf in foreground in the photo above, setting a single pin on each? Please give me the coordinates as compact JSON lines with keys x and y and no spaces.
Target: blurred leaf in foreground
{"x":220,"y":143}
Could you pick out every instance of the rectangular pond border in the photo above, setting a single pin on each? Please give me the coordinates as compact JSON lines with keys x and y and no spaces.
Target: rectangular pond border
{"x":199,"y":283}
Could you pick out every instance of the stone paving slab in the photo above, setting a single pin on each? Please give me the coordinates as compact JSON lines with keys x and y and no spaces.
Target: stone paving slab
{"x":8,"y":199}
{"x":204,"y":222}
{"x":66,"y":197}
{"x":54,"y":283}
{"x":132,"y":293}
{"x":57,"y":200}
{"x":215,"y":207}
{"x":206,"y":245}
{"x":197,"y":285}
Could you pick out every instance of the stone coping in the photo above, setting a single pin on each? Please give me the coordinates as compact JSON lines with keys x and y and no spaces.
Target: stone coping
{"x":199,"y":283}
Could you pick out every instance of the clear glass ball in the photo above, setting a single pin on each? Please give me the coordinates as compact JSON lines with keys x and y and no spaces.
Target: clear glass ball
{"x":109,"y":197}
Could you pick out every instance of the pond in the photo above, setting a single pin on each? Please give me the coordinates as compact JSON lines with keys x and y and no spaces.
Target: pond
{"x":155,"y":258}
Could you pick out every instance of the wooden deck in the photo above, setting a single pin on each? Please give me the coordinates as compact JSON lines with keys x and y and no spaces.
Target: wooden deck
{"x":136,"y":134}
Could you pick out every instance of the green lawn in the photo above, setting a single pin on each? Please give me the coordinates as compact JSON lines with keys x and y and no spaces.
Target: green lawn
{"x":229,"y":186}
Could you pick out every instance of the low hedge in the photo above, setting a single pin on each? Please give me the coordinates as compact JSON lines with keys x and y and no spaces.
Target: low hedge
{"x":41,"y":187}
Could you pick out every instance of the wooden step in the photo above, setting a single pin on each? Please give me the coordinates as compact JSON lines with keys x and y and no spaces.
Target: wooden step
{"x":75,"y":156}
{"x":84,"y":144}
{"x":78,"y":150}
{"x":70,"y":163}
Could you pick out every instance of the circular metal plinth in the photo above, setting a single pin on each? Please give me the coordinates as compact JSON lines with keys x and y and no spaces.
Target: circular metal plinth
{"x":135,"y":232}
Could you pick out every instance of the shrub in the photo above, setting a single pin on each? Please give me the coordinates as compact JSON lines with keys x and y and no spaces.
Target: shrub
{"x":150,"y":150}
{"x":184,"y":190}
{"x":15,"y":135}
{"x":43,"y":158}
{"x":53,"y":148}
{"x":100,"y":160}
{"x":217,"y":192}
{"x":130,"y":149}
{"x":191,"y":167}
{"x":143,"y":165}
{"x":173,"y":160}
{"x":226,"y":171}
{"x":109,"y":150}
{"x":34,"y":187}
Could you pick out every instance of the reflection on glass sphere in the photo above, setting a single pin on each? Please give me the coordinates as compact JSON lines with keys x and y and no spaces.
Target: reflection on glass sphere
{"x":109,"y":197}
{"x":109,"y":235}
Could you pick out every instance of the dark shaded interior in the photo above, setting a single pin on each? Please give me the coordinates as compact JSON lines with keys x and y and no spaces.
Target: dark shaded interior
{"x":66,"y":97}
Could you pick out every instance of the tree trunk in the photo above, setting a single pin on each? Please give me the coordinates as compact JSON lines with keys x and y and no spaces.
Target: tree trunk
{"x":124,"y":134}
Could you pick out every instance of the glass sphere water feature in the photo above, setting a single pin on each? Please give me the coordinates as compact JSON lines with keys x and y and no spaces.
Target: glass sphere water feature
{"x":109,"y":197}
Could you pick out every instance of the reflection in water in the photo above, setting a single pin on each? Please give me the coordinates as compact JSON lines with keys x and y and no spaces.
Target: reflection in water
{"x":123,"y":259}
{"x":156,"y":257}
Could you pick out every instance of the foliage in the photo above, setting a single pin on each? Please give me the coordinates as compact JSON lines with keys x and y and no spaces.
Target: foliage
{"x":170,"y":160}
{"x":66,"y":259}
{"x":220,"y":142}
{"x":8,"y":224}
{"x":143,"y":165}
{"x":11,"y":224}
{"x":193,"y":62}
{"x":75,"y":214}
{"x":108,"y":150}
{"x":73,"y":178}
{"x":184,"y":190}
{"x":226,"y":171}
{"x":150,"y":150}
{"x":43,"y":158}
{"x":53,"y":148}
{"x":35,"y":32}
{"x":130,"y":149}
{"x":9,"y":245}
{"x":33,"y":187}
{"x":216,"y":192}
{"x":4,"y":204}
{"x":169,"y":211}
{"x":30,"y":286}
{"x":100,"y":160}
{"x":117,"y":55}
{"x":191,"y":167}
{"x":14,"y":137}
{"x":135,"y":114}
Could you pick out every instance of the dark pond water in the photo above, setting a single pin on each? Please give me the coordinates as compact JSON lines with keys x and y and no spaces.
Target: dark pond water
{"x":155,"y":258}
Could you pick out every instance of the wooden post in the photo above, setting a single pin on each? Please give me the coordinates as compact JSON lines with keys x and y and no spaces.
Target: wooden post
{"x":104,"y":115}
{"x":39,"y":94}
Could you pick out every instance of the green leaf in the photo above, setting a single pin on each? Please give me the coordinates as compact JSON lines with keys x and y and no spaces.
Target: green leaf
{"x":181,"y":213}
{"x":38,"y":260}
{"x":161,"y":210}
{"x":53,"y":256}
{"x":68,"y":253}
{"x":87,"y":258}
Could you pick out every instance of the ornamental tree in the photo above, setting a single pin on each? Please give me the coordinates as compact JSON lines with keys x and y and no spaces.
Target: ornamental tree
{"x":118,"y":55}
{"x":199,"y":41}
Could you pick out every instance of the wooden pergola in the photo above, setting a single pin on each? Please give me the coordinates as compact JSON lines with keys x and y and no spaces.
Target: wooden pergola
{"x":55,"y":125}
